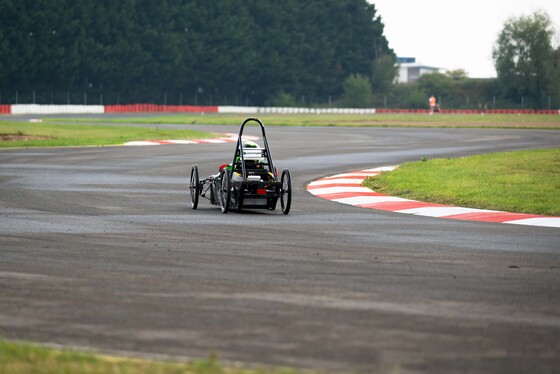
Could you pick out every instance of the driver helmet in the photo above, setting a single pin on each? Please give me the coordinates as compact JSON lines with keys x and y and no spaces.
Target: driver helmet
{"x":250,"y":144}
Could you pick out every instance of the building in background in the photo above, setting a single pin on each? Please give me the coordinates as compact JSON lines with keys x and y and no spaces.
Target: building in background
{"x":410,"y":70}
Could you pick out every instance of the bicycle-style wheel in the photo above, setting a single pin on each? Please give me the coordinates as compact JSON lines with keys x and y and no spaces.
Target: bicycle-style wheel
{"x":286,"y":191}
{"x":225,"y":191}
{"x":194,"y":187}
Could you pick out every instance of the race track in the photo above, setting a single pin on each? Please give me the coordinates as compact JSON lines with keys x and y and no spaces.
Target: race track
{"x":100,"y":250}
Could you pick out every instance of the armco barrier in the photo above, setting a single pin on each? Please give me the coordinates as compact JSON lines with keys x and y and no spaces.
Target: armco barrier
{"x":154,"y":108}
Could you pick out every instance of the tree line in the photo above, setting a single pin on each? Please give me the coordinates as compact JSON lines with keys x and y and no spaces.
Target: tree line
{"x":250,"y":52}
{"x":226,"y":51}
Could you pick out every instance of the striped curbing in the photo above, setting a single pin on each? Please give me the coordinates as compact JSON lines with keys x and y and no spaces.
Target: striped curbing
{"x":347,"y":189}
{"x":227,"y":138}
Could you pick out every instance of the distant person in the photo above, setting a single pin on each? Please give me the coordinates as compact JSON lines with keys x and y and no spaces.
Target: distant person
{"x":433,"y":104}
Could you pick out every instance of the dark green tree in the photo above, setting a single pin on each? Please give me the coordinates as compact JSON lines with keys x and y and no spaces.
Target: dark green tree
{"x":357,"y":92}
{"x":524,"y":59}
{"x":194,"y":51}
{"x":384,"y":70}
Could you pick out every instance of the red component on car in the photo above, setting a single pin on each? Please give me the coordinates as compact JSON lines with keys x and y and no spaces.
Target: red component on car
{"x":261,"y":191}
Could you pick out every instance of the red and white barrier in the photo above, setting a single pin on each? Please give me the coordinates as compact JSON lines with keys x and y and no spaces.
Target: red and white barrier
{"x":155,"y":108}
{"x":472,"y":111}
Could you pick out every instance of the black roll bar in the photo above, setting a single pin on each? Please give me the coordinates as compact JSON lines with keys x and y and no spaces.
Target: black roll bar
{"x":239,"y":147}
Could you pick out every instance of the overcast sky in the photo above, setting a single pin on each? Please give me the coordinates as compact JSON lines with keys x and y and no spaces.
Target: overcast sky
{"x":454,"y":34}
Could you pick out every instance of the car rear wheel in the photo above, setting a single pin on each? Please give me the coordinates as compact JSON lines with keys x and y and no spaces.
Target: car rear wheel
{"x":225,"y":191}
{"x":286,"y":191}
{"x":194,"y":187}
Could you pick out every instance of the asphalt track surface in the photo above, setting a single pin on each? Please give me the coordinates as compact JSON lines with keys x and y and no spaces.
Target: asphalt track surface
{"x":101,"y":250}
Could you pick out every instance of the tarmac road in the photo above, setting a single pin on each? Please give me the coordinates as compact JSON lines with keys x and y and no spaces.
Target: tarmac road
{"x":100,"y":249}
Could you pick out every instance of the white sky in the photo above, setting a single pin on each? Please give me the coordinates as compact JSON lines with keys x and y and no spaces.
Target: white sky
{"x":453,"y":34}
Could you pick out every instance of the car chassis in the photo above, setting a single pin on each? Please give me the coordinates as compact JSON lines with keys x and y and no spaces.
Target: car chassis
{"x":249,"y":182}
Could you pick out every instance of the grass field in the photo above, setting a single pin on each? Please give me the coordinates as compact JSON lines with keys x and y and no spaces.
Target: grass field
{"x":509,"y":121}
{"x":25,"y":134}
{"x":76,"y":131}
{"x":524,"y":181}
{"x":25,"y":358}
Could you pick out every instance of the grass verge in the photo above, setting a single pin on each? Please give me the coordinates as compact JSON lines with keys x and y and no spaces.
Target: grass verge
{"x":521,"y":182}
{"x":19,"y":358}
{"x":24,"y":134}
{"x":533,"y":121}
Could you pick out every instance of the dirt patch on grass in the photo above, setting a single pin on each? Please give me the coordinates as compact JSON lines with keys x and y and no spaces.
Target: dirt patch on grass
{"x":21,"y":137}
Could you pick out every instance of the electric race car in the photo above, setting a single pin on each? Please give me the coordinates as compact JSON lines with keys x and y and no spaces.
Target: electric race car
{"x":249,"y":182}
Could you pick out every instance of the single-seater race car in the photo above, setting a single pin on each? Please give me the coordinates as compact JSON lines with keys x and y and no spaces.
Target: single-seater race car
{"x":249,"y":182}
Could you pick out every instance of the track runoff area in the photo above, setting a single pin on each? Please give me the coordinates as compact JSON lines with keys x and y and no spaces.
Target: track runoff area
{"x":342,"y":188}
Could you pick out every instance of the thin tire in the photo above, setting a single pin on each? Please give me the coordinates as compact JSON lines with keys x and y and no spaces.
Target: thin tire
{"x":225,"y":191}
{"x":194,"y":187}
{"x":286,"y":191}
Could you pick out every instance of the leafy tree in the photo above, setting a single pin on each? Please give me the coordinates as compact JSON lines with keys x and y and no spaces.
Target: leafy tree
{"x":457,"y":75}
{"x":410,"y":96}
{"x":384,"y":70}
{"x":439,"y":85}
{"x":357,"y":92}
{"x":282,"y":99}
{"x":241,"y":51}
{"x":524,"y":59}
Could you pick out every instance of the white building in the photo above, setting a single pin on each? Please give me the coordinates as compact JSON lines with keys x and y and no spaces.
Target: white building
{"x":410,"y":70}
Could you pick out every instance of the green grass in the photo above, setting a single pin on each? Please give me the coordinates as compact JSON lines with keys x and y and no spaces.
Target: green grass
{"x":82,"y":132}
{"x":523,"y":182}
{"x":20,"y":358}
{"x":532,"y":121}
{"x":12,"y":134}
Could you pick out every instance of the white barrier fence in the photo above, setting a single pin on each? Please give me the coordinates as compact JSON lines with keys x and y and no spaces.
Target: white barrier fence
{"x":288,"y":110}
{"x":57,"y":109}
{"x":238,"y":109}
{"x":291,"y":110}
